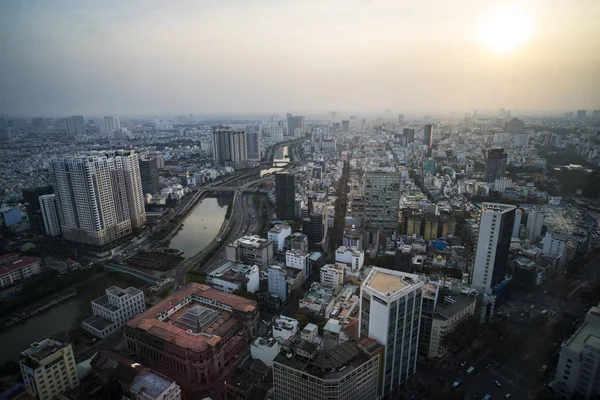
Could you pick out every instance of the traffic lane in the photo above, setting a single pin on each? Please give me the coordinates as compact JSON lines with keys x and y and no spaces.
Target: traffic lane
{"x":486,"y":383}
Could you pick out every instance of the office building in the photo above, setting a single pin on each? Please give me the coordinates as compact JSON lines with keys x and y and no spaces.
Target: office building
{"x":314,"y":227}
{"x":49,"y":211}
{"x":31,"y":197}
{"x":15,"y":269}
{"x":278,"y":234}
{"x":233,"y":276}
{"x":578,"y":370}
{"x":496,"y":223}
{"x":390,"y":313}
{"x":295,"y":126}
{"x":285,"y":195}
{"x":99,"y":196}
{"x":297,"y":241}
{"x":109,"y":124}
{"x":229,"y":146}
{"x":348,"y":371}
{"x":253,"y":142}
{"x":75,"y":125}
{"x":332,"y":275}
{"x":428,"y":135}
{"x":517,"y":223}
{"x":410,"y":135}
{"x":250,"y":250}
{"x":514,"y":126}
{"x":149,"y":175}
{"x":535,"y":222}
{"x":113,"y":310}
{"x":48,"y":369}
{"x":495,"y":166}
{"x":381,"y":199}
{"x":196,"y":323}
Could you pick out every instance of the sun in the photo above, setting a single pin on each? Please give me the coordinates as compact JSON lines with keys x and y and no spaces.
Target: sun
{"x":504,"y":29}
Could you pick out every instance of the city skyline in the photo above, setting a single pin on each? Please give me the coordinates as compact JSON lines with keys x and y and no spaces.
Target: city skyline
{"x":71,"y":58}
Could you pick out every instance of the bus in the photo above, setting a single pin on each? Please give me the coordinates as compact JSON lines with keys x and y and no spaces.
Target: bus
{"x":470,"y":370}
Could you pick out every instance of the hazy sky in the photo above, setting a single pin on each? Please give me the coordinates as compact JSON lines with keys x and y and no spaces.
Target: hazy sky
{"x":126,"y":57}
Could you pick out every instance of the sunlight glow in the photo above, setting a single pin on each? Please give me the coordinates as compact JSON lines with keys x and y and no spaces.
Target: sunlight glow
{"x":505,"y":29}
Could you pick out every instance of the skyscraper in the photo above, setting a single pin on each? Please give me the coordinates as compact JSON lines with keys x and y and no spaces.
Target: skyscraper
{"x":515,"y":126}
{"x":50,"y":214}
{"x":149,"y":174}
{"x":410,"y":134}
{"x":382,"y":198}
{"x":581,"y":114}
{"x":428,"y":135}
{"x":109,"y":124}
{"x":401,"y":118}
{"x":496,"y":224}
{"x":31,"y":196}
{"x":253,"y":142}
{"x":517,"y":223}
{"x":229,"y":145}
{"x":285,"y":195}
{"x":535,"y":221}
{"x":495,"y":164}
{"x":75,"y":125}
{"x":390,"y":312}
{"x":99,"y":196}
{"x":295,"y":122}
{"x":345,"y":125}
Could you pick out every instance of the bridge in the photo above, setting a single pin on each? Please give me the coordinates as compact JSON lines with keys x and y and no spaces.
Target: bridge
{"x":232,"y":189}
{"x":134,"y":272}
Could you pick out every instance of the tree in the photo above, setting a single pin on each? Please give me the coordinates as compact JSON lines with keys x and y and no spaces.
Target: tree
{"x":463,"y":336}
{"x":302,"y":320}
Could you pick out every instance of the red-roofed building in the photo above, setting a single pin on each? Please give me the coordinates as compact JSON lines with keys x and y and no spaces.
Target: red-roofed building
{"x":14,"y":269}
{"x":196,"y":336}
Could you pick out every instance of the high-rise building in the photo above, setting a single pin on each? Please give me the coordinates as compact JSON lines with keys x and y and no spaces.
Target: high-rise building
{"x":285,"y":195}
{"x":229,"y":145}
{"x":99,"y":196}
{"x":596,"y":115}
{"x":581,"y":114}
{"x":535,"y":221}
{"x":295,"y":125}
{"x":297,"y":241}
{"x":48,"y":369}
{"x":515,"y":126}
{"x":401,"y":118}
{"x":109,"y":124}
{"x":274,"y":133}
{"x":410,"y":134}
{"x":578,"y":369}
{"x":314,"y":227}
{"x":382,"y":198}
{"x":428,"y":135}
{"x":149,"y":175}
{"x":496,"y":223}
{"x":350,"y":370}
{"x":517,"y":224}
{"x":521,"y":139}
{"x":345,"y":125}
{"x":390,"y":312}
{"x":31,"y":197}
{"x":49,"y":211}
{"x":253,"y":142}
{"x":495,"y":166}
{"x":197,"y":323}
{"x":75,"y":125}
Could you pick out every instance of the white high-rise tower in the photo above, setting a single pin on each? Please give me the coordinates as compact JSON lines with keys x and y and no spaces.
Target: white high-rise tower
{"x":50,"y":214}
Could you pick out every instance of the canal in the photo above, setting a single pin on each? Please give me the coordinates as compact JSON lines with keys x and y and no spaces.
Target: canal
{"x":60,"y":318}
{"x":201,"y":225}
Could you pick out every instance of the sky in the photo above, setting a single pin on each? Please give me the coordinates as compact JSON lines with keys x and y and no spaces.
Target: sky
{"x":145,"y":57}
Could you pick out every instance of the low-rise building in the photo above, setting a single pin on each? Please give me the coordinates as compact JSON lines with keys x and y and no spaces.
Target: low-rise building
{"x":14,"y":269}
{"x":298,"y":260}
{"x":352,"y":256}
{"x":578,"y":369}
{"x":277,"y":235}
{"x":319,"y":299}
{"x":297,"y":241}
{"x":284,"y":327}
{"x":48,"y":369}
{"x":278,"y":286}
{"x":251,"y":250}
{"x":265,"y":350}
{"x":309,"y":332}
{"x":234,"y":276}
{"x":113,"y":310}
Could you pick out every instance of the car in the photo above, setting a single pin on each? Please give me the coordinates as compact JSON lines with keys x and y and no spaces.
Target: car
{"x":496,"y":383}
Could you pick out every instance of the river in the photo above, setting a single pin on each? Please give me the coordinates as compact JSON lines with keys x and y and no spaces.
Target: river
{"x":201,"y":225}
{"x":280,"y":160}
{"x":59,"y":318}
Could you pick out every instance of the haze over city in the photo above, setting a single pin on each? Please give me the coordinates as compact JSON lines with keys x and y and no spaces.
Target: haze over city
{"x":148,"y":57}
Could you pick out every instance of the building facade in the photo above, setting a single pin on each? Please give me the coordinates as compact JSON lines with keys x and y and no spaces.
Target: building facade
{"x":48,"y":369}
{"x":390,"y":313}
{"x":285,"y":195}
{"x":49,"y":210}
{"x":15,"y":269}
{"x":496,"y":223}
{"x":232,"y":276}
{"x":535,"y":222}
{"x":277,"y":280}
{"x":250,"y":250}
{"x":382,"y":199}
{"x":332,"y":275}
{"x":113,"y":310}
{"x":428,"y":136}
{"x":298,"y":260}
{"x":495,"y":165}
{"x":297,"y":241}
{"x":277,"y":235}
{"x":229,"y":146}
{"x":149,"y":175}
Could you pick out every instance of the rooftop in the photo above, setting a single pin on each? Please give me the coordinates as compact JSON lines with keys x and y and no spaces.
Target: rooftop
{"x":389,"y":282}
{"x":37,"y":352}
{"x":151,"y":382}
{"x":279,"y":228}
{"x":450,"y":305}
{"x":99,"y":322}
{"x":232,"y":271}
{"x":10,"y":263}
{"x":250,"y":241}
{"x":588,"y":333}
